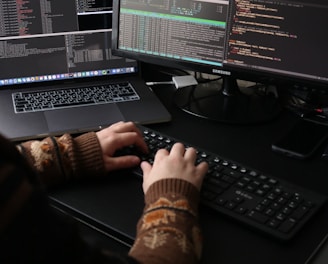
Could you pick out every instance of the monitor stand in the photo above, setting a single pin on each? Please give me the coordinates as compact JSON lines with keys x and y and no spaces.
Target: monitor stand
{"x":225,"y":102}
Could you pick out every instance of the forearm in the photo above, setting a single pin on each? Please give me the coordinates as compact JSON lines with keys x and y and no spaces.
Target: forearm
{"x":58,"y":159}
{"x":168,"y":231}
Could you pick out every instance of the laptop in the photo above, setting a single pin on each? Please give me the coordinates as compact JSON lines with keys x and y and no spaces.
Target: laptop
{"x":66,"y":45}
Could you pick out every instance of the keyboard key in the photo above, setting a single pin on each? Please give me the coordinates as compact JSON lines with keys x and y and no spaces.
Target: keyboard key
{"x":259,"y":217}
{"x":287,"y":225}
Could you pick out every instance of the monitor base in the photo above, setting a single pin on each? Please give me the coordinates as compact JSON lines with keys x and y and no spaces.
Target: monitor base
{"x":224,"y":102}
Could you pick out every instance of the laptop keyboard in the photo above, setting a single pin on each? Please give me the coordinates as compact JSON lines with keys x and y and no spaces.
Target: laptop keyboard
{"x":56,"y":99}
{"x":260,"y":201}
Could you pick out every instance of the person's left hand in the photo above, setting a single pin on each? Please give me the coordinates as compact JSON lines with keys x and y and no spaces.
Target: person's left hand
{"x":117,"y":136}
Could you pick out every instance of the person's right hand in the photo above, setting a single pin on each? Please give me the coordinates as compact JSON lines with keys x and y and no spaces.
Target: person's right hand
{"x":178,"y":163}
{"x":117,"y":136}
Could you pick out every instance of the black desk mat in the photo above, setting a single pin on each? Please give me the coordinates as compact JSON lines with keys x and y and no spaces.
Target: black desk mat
{"x":114,"y":205}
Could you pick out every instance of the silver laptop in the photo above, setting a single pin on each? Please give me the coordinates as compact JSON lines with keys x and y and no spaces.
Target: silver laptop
{"x":57,"y":73}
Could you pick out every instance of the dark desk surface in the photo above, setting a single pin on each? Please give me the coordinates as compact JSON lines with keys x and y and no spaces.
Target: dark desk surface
{"x":114,"y":205}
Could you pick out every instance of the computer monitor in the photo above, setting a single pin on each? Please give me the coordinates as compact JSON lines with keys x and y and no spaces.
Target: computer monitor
{"x":64,"y":40}
{"x":265,"y":41}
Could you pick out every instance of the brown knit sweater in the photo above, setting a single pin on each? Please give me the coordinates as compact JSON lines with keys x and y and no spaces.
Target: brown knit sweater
{"x":32,"y":232}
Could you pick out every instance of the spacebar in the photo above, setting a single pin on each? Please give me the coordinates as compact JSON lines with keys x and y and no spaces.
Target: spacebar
{"x":72,"y":104}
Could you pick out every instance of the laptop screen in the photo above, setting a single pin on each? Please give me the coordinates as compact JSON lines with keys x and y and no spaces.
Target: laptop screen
{"x":42,"y":41}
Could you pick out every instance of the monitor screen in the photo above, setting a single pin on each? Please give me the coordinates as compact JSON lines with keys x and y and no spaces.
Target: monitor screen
{"x":258,"y":40}
{"x":42,"y":41}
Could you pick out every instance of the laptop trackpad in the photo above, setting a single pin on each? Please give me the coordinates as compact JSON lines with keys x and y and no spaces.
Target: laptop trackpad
{"x":81,"y":119}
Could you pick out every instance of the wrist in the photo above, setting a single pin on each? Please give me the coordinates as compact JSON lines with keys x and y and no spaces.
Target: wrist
{"x":173,"y":189}
{"x":89,"y":155}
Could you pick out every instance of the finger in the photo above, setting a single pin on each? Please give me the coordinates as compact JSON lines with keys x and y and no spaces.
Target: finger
{"x":131,"y":138}
{"x":161,"y":153}
{"x":146,"y":168}
{"x":191,"y":154}
{"x":178,"y":149}
{"x":122,"y":127}
{"x":202,"y":168}
{"x":116,"y":125}
{"x":123,"y":162}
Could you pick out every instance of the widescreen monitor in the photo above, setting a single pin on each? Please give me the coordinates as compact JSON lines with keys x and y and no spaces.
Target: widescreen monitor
{"x":264,"y":41}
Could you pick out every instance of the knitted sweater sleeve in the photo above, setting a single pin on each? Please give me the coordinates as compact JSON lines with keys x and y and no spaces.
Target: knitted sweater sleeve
{"x":60,"y":159}
{"x":168,"y":230}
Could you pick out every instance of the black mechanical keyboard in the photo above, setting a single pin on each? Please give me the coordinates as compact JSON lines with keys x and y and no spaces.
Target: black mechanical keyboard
{"x":261,"y":201}
{"x":62,"y":98}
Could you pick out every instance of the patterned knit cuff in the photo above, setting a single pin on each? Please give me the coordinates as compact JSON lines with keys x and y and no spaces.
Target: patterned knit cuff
{"x":173,"y":189}
{"x":89,"y":157}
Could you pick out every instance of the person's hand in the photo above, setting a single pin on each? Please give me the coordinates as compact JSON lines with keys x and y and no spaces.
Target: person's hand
{"x":117,"y":136}
{"x":178,"y":163}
